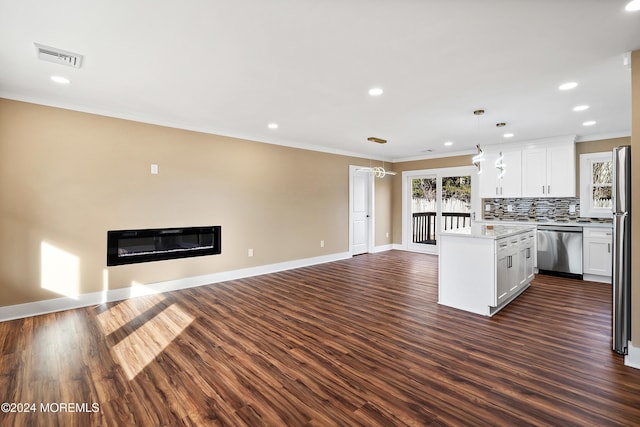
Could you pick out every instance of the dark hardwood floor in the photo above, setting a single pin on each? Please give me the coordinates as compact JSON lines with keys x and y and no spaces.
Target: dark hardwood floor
{"x":360,"y":342}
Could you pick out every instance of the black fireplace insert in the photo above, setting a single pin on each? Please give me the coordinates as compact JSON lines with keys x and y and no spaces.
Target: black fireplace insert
{"x":156,"y":244}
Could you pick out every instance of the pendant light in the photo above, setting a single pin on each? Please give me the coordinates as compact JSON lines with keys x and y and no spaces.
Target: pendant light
{"x":478,"y":158}
{"x":499,"y":163}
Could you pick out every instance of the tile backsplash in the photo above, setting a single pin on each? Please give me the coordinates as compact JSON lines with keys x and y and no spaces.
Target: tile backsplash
{"x":564,"y":209}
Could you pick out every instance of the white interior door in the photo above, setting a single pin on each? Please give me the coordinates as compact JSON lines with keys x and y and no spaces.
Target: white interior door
{"x":360,"y":212}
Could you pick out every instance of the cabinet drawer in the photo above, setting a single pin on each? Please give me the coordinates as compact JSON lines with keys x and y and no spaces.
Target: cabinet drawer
{"x":597,"y":233}
{"x":502,"y":247}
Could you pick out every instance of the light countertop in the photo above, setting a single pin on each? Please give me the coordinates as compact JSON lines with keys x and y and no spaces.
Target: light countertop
{"x":489,"y":231}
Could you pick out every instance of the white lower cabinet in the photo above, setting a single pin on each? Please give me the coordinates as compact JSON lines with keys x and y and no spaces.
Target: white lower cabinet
{"x":503,"y":282}
{"x":482,"y":275}
{"x":597,"y":254}
{"x":508,"y":268}
{"x":515,"y":264}
{"x":526,"y":258}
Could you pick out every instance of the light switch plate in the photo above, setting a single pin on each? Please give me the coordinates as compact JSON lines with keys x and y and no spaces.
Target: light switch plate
{"x":154,"y":169}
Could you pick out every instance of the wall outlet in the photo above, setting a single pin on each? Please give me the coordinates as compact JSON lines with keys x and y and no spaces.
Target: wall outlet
{"x":509,"y":208}
{"x":487,"y":208}
{"x":250,"y":252}
{"x":154,"y":169}
{"x":322,"y":243}
{"x":572,"y":209}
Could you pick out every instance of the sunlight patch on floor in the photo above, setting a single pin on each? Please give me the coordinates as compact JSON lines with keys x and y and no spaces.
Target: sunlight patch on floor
{"x":126,"y":311}
{"x":142,"y":346}
{"x":142,"y":343}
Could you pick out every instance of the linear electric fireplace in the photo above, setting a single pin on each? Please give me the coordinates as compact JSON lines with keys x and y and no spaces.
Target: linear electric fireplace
{"x":156,"y":244}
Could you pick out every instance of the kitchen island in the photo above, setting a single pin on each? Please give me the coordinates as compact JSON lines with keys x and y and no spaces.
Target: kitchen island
{"x":483,"y":268}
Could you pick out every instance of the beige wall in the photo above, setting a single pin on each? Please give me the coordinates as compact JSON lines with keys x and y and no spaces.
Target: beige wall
{"x":68,"y":177}
{"x":383,"y":207}
{"x":635,"y":188}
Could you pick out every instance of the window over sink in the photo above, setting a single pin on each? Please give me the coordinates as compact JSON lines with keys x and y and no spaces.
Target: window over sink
{"x":596,"y":180}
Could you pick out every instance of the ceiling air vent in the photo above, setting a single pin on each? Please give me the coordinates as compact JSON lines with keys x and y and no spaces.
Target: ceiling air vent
{"x":58,"y":56}
{"x":378,"y":140}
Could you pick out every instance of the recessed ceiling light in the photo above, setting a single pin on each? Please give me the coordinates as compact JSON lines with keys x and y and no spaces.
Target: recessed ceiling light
{"x":61,"y":80}
{"x":448,"y":144}
{"x":632,"y":6}
{"x":581,"y":108}
{"x":508,"y":135}
{"x":589,"y":123}
{"x":272,"y":126}
{"x":568,"y":86}
{"x":376,"y":91}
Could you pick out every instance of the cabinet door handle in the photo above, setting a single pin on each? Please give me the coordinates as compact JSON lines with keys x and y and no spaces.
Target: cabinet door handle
{"x":543,"y":189}
{"x":608,"y":247}
{"x":501,"y":191}
{"x":548,"y":189}
{"x":497,"y":191}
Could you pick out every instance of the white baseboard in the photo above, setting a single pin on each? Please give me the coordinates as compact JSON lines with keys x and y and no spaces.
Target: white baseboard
{"x":19,"y":311}
{"x":382,"y":248}
{"x":596,"y":278}
{"x":633,"y":358}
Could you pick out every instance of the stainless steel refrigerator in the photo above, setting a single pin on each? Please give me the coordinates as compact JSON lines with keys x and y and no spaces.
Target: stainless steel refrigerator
{"x":621,"y":193}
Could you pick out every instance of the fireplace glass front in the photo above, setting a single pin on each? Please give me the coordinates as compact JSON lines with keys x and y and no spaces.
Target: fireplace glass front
{"x":133,"y":246}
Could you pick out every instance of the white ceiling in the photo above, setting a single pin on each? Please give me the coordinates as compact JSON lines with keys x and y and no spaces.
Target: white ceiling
{"x":231,"y":67}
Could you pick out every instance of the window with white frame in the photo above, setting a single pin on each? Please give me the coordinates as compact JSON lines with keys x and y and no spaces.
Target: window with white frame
{"x":596,"y":180}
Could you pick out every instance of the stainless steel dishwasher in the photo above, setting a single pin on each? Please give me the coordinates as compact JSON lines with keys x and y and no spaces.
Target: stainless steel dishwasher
{"x":560,"y":250}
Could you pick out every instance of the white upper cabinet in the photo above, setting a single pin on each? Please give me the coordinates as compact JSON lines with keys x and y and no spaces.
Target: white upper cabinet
{"x":540,"y":168}
{"x":511,"y":183}
{"x":492,"y":184}
{"x":488,"y":180}
{"x":534,"y":172}
{"x":549,"y":171}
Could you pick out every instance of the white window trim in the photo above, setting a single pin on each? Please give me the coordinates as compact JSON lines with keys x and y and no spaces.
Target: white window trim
{"x":586,"y":208}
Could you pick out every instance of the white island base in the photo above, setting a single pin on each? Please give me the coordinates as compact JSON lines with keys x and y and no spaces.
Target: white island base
{"x":481,"y":269}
